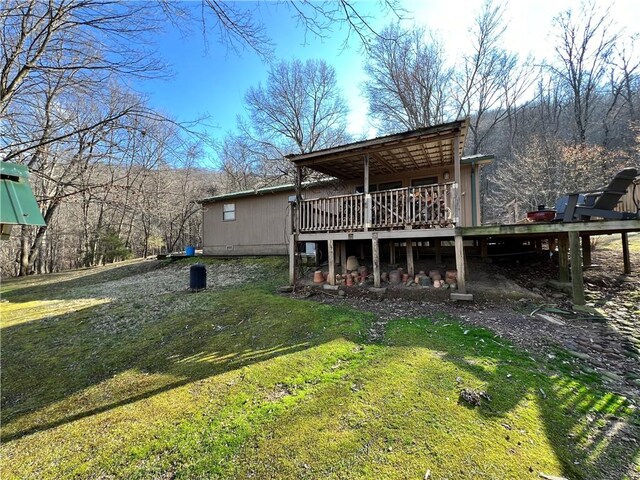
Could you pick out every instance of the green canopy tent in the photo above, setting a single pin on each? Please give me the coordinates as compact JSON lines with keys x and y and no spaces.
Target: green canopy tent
{"x":18,"y":206}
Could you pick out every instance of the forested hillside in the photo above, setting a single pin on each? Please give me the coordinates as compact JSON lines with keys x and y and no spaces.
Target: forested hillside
{"x":116,"y":178}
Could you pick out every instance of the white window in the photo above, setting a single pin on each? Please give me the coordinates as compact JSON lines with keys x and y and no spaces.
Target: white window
{"x":229,"y":212}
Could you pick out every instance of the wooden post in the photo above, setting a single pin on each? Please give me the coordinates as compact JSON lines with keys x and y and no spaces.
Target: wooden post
{"x":563,"y":257}
{"x":343,"y":257}
{"x":458,"y":179}
{"x":367,"y":195}
{"x":332,"y":262}
{"x":576,"y":269}
{"x":586,"y":250}
{"x":484,"y":249}
{"x":538,"y":245}
{"x":392,"y":252}
{"x":625,"y":253}
{"x":460,"y":267}
{"x":410,"y":268}
{"x":437,"y":246}
{"x":292,"y":260}
{"x":376,"y":260}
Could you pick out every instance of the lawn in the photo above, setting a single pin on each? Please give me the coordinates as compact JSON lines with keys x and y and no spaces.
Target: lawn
{"x":120,"y":372}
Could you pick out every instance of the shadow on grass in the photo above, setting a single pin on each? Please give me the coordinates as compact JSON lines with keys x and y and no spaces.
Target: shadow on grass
{"x":46,"y":362}
{"x":570,"y":402}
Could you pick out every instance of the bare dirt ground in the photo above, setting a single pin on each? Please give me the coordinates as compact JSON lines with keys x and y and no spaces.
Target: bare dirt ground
{"x":513,"y":300}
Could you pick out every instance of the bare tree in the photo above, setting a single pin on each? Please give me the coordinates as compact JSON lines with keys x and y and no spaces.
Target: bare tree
{"x":408,"y":83}
{"x":300,"y":109}
{"x":491,"y":83}
{"x":237,"y":25}
{"x":241,"y":164}
{"x":586,"y":42}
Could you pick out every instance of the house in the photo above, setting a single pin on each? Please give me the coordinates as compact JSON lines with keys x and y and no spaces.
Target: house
{"x":391,"y":192}
{"x":417,"y":163}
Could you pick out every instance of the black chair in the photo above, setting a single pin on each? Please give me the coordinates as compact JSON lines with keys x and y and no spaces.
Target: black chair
{"x":598,"y":203}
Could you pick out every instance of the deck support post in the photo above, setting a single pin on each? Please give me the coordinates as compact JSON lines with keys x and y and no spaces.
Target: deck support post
{"x":343,"y":257}
{"x":332,"y":262}
{"x":392,"y":252}
{"x":625,"y":253}
{"x":410,"y":267}
{"x":460,"y":267}
{"x":563,"y":257}
{"x":437,"y":245}
{"x":586,"y":250}
{"x":292,"y":259}
{"x":457,"y":177}
{"x":538,"y":245}
{"x":577,"y":281}
{"x":367,"y":195}
{"x":484,"y":249}
{"x":375,"y":247}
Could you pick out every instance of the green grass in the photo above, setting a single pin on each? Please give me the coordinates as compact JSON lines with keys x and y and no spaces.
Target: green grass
{"x":613,"y":242}
{"x":238,"y":382}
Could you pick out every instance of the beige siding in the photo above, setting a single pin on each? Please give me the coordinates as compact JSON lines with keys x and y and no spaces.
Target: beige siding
{"x":261,"y":226}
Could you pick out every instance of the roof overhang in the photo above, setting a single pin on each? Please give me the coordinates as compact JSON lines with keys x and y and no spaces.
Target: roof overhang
{"x":424,"y":148}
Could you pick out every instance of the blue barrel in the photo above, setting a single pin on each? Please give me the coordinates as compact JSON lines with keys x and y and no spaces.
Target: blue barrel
{"x":190,"y":251}
{"x":198,"y":277}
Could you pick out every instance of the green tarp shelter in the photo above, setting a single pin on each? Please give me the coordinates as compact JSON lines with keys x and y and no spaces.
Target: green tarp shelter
{"x":18,"y":206}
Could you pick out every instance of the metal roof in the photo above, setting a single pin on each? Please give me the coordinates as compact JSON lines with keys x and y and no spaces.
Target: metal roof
{"x":416,"y":149}
{"x":248,"y":193}
{"x":18,"y":206}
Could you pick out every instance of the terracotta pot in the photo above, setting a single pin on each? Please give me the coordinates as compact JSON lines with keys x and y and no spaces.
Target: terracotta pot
{"x":349,"y":280}
{"x":432,"y":273}
{"x":405,"y":277}
{"x":318,"y":277}
{"x":363,"y":271}
{"x":394,"y":277}
{"x":451,"y":276}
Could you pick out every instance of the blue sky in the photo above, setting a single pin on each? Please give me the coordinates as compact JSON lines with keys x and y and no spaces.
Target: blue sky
{"x":212,"y":81}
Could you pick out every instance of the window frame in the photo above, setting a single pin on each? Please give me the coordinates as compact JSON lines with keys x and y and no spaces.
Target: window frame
{"x":226,"y":211}
{"x":421,"y":182}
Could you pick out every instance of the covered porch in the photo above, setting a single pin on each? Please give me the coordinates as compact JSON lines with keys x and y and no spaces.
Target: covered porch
{"x":427,"y":210}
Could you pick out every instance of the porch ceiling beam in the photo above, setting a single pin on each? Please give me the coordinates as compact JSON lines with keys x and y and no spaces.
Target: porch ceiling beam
{"x":378,"y":158}
{"x":410,"y":155}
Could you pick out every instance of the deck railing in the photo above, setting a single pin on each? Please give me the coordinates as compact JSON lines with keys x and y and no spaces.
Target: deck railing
{"x":412,"y":207}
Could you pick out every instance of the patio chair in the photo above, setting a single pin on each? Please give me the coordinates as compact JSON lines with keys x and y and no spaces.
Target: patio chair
{"x":598,"y":203}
